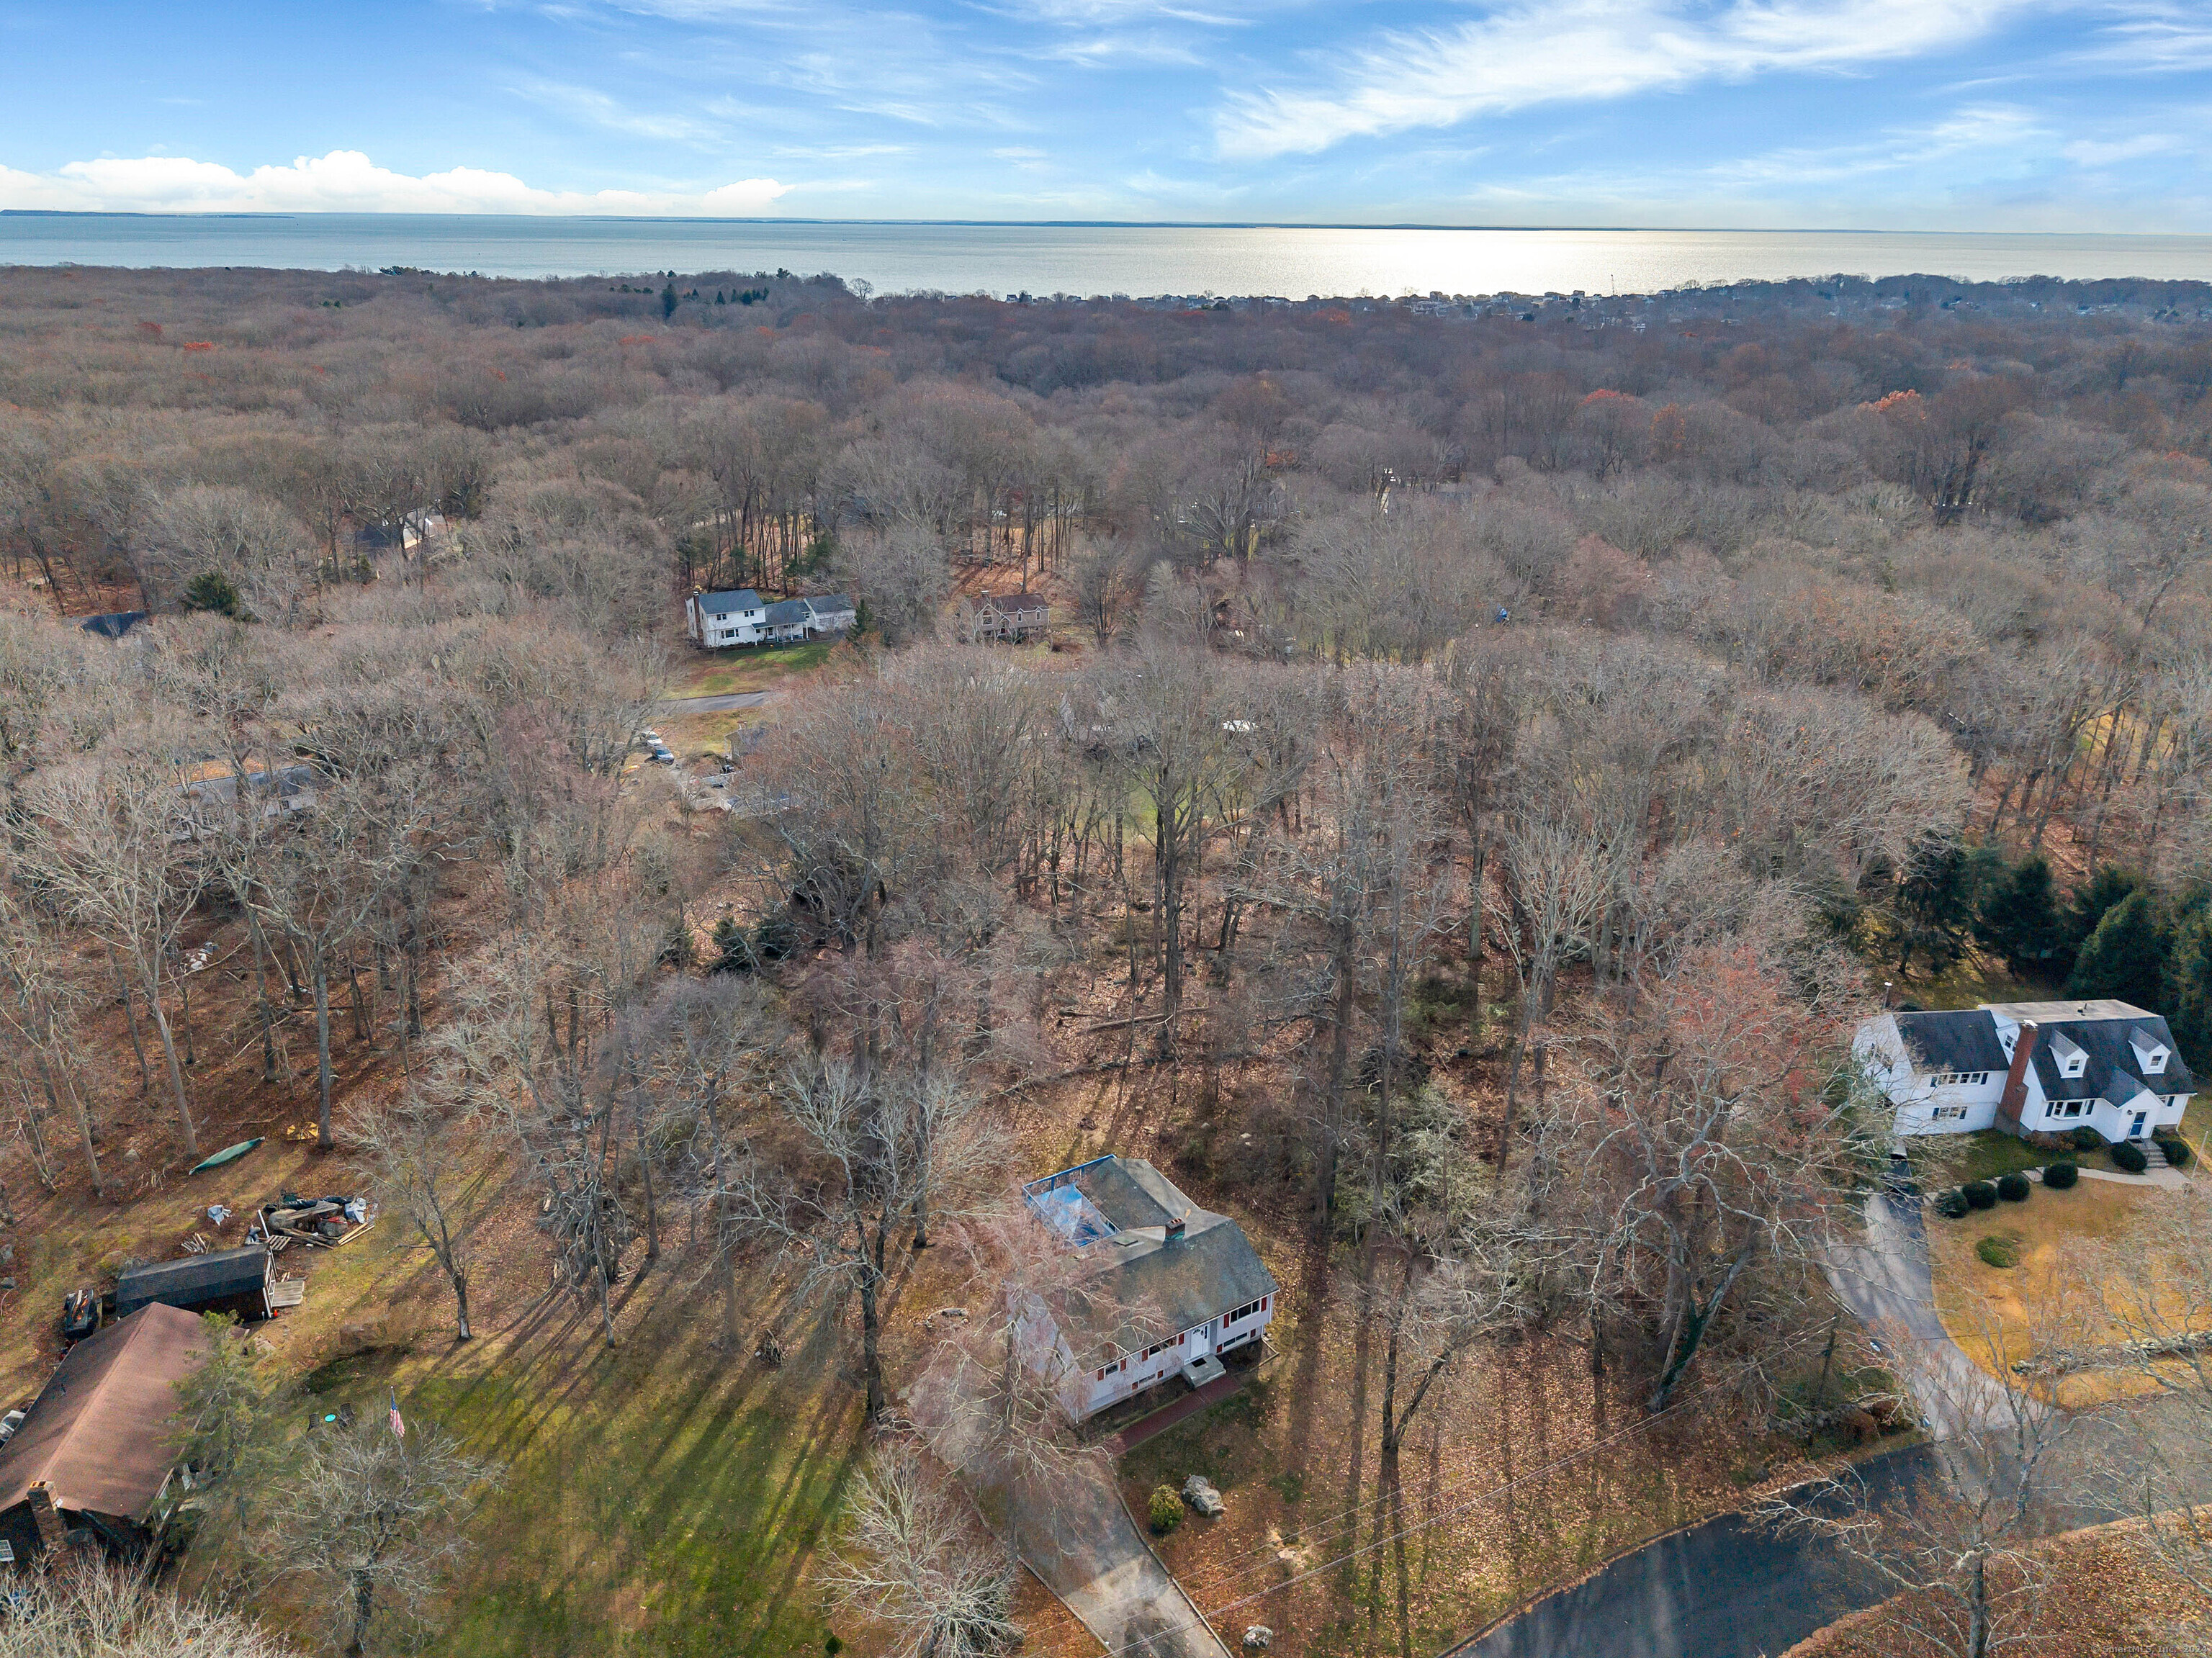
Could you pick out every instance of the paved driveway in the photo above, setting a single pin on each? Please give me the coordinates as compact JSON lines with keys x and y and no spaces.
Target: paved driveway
{"x":713,"y":704}
{"x":1886,"y":1281}
{"x":1076,"y":1535}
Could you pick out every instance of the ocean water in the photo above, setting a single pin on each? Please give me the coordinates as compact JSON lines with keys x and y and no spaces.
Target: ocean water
{"x":1292,"y":261}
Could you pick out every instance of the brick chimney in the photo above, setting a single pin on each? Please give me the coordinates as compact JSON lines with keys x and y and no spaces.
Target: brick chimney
{"x":1175,"y":1228}
{"x":2015,"y":1091}
{"x":47,"y":1516}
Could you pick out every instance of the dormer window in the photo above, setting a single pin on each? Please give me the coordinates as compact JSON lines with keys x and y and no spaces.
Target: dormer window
{"x":2070,"y":1057}
{"x":2149,"y":1051}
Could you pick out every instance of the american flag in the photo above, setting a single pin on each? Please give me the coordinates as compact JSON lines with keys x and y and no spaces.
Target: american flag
{"x":399,"y":1428}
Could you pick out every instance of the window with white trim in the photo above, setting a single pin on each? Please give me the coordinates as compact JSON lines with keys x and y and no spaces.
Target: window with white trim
{"x":7,"y":1552}
{"x":1965,"y":1079}
{"x":1246,"y":1311}
{"x":1946,"y":1113}
{"x":2064,"y":1109}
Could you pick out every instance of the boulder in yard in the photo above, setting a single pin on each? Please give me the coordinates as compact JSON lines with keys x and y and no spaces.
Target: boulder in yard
{"x":1199,"y":1492}
{"x":1257,"y":1637}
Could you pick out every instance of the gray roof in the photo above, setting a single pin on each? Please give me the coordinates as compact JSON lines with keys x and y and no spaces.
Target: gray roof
{"x":788,"y":611}
{"x":1964,"y":1039}
{"x":1147,"y":1287}
{"x":193,"y":1281}
{"x":741,"y":599}
{"x":2113,"y":1070}
{"x":830,"y":605}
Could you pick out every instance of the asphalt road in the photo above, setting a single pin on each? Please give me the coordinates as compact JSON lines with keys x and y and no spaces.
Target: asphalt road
{"x":1731,"y":1588}
{"x":713,"y":704}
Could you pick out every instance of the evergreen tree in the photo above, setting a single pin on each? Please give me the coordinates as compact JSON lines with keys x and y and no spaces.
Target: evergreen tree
{"x":2188,"y":991}
{"x":211,"y":590}
{"x":2019,"y":919}
{"x":668,"y":301}
{"x":2125,"y":956}
{"x":1936,"y":902}
{"x":2106,"y":887}
{"x":736,"y":954}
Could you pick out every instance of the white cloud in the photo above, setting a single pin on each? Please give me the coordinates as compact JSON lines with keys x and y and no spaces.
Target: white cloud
{"x":344,"y":181}
{"x":2094,"y":152}
{"x":585,"y":104}
{"x":1585,"y":50}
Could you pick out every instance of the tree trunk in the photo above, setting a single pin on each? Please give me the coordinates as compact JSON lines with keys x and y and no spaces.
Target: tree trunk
{"x":261,"y":1000}
{"x":176,"y":1073}
{"x":131,"y":1018}
{"x":364,"y":1591}
{"x":460,"y":1282}
{"x":324,"y":1138}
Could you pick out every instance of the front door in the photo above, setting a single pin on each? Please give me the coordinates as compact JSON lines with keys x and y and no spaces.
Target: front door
{"x":1201,"y":1344}
{"x":2136,"y":1133}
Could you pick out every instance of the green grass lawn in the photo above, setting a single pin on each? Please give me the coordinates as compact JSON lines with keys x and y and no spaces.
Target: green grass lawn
{"x":1953,"y":1159}
{"x":659,"y":1498}
{"x":760,"y":667}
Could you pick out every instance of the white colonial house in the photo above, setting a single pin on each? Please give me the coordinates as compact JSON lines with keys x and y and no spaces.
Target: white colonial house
{"x":1163,"y":1288}
{"x":2028,"y":1067}
{"x":718,"y":621}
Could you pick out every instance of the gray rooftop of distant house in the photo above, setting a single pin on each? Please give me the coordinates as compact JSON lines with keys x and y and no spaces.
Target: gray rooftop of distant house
{"x":741,"y":599}
{"x":1965,"y":1039}
{"x":1961,"y":1039}
{"x":789,"y":612}
{"x":1147,"y":1285}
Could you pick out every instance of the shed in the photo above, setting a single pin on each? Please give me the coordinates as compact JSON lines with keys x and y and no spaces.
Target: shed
{"x":220,"y":1281}
{"x":97,"y":1449}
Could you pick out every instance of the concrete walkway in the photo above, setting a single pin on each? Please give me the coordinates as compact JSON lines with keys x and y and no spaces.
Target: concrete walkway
{"x":1886,"y":1284}
{"x":1078,"y":1538}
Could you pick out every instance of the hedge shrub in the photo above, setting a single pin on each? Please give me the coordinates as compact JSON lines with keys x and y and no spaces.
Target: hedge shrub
{"x":1979,"y":1194}
{"x":2176,"y":1150}
{"x":2129,"y":1157}
{"x":1996,"y":1251}
{"x":2012,"y":1187}
{"x":1166,"y":1509}
{"x":2087,"y":1139}
{"x":2060,"y":1176}
{"x":1952,"y":1204}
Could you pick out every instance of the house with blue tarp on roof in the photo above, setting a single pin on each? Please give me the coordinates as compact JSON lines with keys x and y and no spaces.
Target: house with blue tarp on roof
{"x":2028,"y":1067}
{"x":1162,"y":1291}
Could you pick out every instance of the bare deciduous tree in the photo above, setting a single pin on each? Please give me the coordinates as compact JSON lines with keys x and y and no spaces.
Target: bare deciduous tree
{"x":918,"y":1561}
{"x":373,"y":1518}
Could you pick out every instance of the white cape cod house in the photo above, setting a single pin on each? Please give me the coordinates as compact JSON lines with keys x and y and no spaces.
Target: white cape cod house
{"x":2028,"y":1067}
{"x":1169,"y":1286}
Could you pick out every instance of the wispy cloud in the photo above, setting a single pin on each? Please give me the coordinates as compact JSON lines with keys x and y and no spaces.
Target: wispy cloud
{"x":596,"y":108}
{"x":1517,"y":56}
{"x":2105,"y":152}
{"x":344,"y":181}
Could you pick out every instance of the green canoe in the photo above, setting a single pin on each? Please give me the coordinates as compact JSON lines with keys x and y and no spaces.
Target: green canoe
{"x":228,"y":1154}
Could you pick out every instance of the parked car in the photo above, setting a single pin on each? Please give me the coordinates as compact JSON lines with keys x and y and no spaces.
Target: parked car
{"x":663,"y":757}
{"x":9,"y":1424}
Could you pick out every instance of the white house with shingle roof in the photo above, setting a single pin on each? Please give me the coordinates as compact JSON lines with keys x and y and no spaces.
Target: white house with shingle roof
{"x":2028,"y":1067}
{"x":1175,"y":1285}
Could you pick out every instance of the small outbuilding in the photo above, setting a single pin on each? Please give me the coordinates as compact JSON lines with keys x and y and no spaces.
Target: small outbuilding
{"x":220,"y":1281}
{"x":96,"y":1453}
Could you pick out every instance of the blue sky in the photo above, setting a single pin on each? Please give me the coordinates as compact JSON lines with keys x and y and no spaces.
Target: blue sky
{"x":1928,"y":114}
